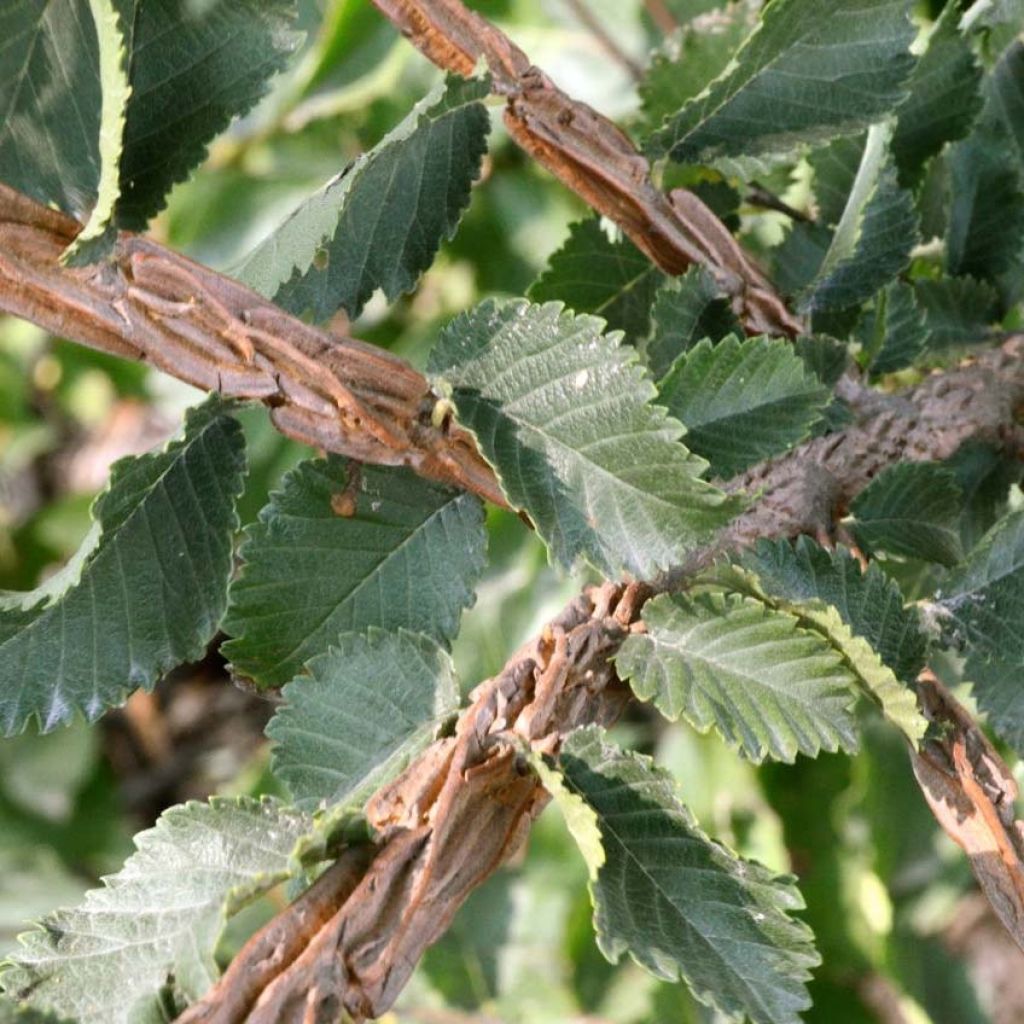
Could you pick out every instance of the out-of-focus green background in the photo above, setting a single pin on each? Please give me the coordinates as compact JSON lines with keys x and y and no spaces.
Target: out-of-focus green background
{"x":904,"y":936}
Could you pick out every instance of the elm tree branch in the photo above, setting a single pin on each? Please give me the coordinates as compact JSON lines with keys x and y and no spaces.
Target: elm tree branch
{"x":594,"y":158}
{"x":151,"y":304}
{"x":466,"y":804}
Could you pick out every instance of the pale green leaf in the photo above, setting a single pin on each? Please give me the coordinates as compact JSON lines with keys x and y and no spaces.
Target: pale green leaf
{"x":562,"y":411}
{"x":97,"y":236}
{"x":612,"y":280}
{"x":945,"y":96}
{"x":378,"y":224}
{"x":811,"y":70}
{"x":874,"y":236}
{"x":768,"y":687}
{"x":911,"y":509}
{"x":408,"y":557}
{"x":151,"y":591}
{"x":742,"y":401}
{"x":159,"y":918}
{"x":367,"y":707}
{"x":686,"y":310}
{"x":683,"y":906}
{"x":983,"y":600}
{"x":579,"y":816}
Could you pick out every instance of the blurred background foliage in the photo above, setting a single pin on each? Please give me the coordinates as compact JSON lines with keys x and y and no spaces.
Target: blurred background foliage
{"x":903,"y":933}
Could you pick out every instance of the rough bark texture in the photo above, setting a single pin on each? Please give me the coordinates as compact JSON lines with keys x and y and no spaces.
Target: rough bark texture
{"x":151,"y":304}
{"x":464,"y":806}
{"x":590,"y":155}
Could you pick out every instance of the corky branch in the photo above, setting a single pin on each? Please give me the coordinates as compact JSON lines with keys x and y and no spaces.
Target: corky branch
{"x":590,"y":155}
{"x":465,"y":805}
{"x":151,"y":304}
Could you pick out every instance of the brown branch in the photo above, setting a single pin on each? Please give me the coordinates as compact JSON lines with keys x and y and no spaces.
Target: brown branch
{"x":972,"y":794}
{"x":590,"y":155}
{"x":465,"y":805}
{"x":662,"y":16}
{"x":151,"y":304}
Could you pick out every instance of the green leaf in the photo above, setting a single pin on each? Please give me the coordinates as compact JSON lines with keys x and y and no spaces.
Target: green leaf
{"x":870,"y":603}
{"x":686,"y":310}
{"x":50,"y":102}
{"x":835,"y":169}
{"x":193,"y":68}
{"x":957,"y":310}
{"x":1004,"y":92}
{"x":159,"y":918}
{"x":986,"y":213}
{"x":807,"y":73}
{"x":875,"y":234}
{"x":798,"y":258}
{"x":683,"y":67}
{"x":366,"y":709}
{"x":912,"y":509}
{"x":769,"y":688}
{"x":612,"y":280}
{"x":97,"y":237}
{"x":945,"y":96}
{"x":680,"y":904}
{"x":408,"y":557}
{"x":742,"y":402}
{"x":151,"y":591}
{"x":998,"y":691}
{"x":562,"y":412}
{"x":894,"y":333}
{"x":983,"y":601}
{"x":579,"y":816}
{"x":378,"y":223}
{"x":11,"y":1014}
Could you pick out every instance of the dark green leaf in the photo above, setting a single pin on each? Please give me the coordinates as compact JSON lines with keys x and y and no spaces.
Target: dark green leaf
{"x":768,"y":687}
{"x":148,"y":592}
{"x":869,"y":602}
{"x":408,"y":557}
{"x":957,"y":311}
{"x":796,"y":261}
{"x":912,"y":510}
{"x":999,"y":691}
{"x":563,"y":413}
{"x":379,"y":223}
{"x":986,"y":215}
{"x":894,"y":332}
{"x":945,"y":96}
{"x":612,"y":280}
{"x":51,"y":102}
{"x":685,"y":65}
{"x":835,"y":169}
{"x":874,"y":236}
{"x":687,"y":309}
{"x":809,"y":72}
{"x":1004,"y":89}
{"x":680,"y":904}
{"x":105,"y":961}
{"x":742,"y":402}
{"x":983,"y":601}
{"x":368,"y":706}
{"x":193,"y":67}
